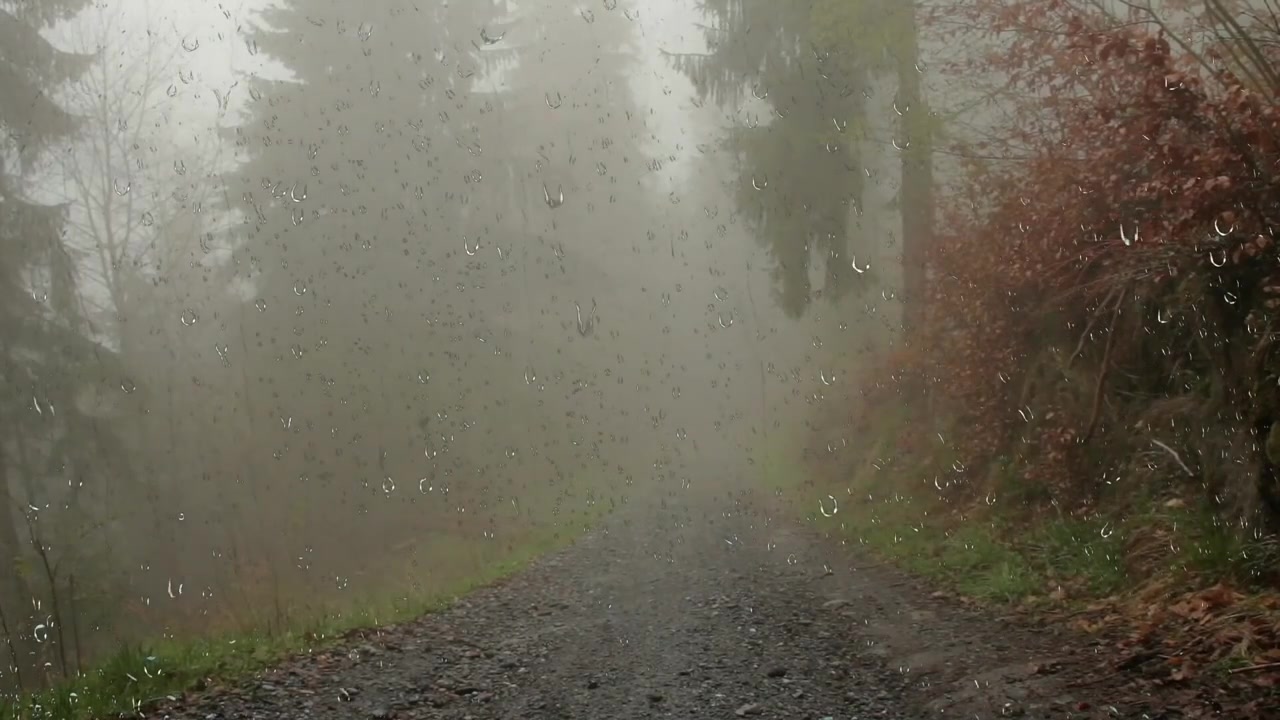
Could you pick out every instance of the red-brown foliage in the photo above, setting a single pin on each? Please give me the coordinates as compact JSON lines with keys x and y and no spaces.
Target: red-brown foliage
{"x":1135,"y":228}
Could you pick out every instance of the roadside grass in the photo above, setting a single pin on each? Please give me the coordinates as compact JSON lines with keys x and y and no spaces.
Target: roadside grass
{"x":1012,"y":546}
{"x":136,"y":677}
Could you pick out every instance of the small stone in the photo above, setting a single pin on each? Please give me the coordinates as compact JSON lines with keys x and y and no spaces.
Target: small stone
{"x":834,"y":604}
{"x":748,"y":709}
{"x":776,"y":672}
{"x":655,"y":697}
{"x":592,"y":684}
{"x":381,"y":714}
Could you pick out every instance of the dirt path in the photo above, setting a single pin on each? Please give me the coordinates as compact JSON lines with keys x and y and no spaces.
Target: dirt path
{"x":717,"y":612}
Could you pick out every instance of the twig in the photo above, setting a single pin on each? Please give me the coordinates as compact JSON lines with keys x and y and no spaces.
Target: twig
{"x":1088,"y":330}
{"x":1254,"y":668}
{"x":1177,"y":458}
{"x":51,"y":574}
{"x":75,"y":624}
{"x":13,"y":652}
{"x":1106,"y":366}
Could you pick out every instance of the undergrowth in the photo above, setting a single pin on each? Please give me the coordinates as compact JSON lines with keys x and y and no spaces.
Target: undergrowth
{"x":1000,"y":539}
{"x":136,"y":677}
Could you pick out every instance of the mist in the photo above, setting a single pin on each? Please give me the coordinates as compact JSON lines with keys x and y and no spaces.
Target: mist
{"x":317,"y":314}
{"x":367,"y":297}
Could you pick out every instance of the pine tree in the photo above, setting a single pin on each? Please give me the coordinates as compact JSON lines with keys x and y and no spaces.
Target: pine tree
{"x":44,"y":352}
{"x":800,"y":180}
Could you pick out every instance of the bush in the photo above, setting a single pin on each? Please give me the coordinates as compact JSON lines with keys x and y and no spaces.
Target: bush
{"x":1108,"y":307}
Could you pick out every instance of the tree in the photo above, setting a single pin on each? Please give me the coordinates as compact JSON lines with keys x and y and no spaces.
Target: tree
{"x":801,"y":179}
{"x":45,"y":355}
{"x":350,"y":157}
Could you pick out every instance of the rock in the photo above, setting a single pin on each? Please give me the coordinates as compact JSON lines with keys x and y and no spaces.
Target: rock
{"x":381,"y":713}
{"x":776,"y":672}
{"x":655,"y":697}
{"x":592,"y":684}
{"x":748,"y":709}
{"x":834,"y":604}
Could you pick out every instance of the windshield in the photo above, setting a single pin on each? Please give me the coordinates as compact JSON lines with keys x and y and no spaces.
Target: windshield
{"x":677,"y":358}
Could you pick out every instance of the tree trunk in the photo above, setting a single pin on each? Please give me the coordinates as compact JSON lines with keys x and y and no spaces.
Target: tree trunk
{"x":15,"y":592}
{"x":916,"y":194}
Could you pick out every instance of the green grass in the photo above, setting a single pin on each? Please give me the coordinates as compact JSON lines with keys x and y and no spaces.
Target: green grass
{"x":134,"y":677}
{"x":1017,"y":548}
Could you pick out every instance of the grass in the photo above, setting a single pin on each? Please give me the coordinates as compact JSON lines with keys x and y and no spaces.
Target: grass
{"x":1016,"y":548}
{"x":134,"y":677}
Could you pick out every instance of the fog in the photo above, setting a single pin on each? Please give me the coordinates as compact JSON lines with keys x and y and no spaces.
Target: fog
{"x":325,"y":301}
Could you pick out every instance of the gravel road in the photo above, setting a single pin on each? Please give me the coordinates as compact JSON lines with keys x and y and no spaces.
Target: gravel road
{"x":719,"y":609}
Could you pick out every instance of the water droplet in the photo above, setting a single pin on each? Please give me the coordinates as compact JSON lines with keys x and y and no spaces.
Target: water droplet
{"x":388,"y":485}
{"x":854,"y":264}
{"x":610,"y":4}
{"x":1217,"y":227}
{"x":127,"y":386}
{"x":553,"y":103}
{"x":1214,"y":258}
{"x":760,"y":184}
{"x":822,"y":507}
{"x":553,"y":201}
{"x":188,"y":317}
{"x":191,"y":44}
{"x":589,"y":16}
{"x":488,"y":39}
{"x":586,"y":325}
{"x":299,"y":288}
{"x":260,"y":304}
{"x":470,"y":249}
{"x":122,"y":189}
{"x":40,"y":632}
{"x":1107,"y":531}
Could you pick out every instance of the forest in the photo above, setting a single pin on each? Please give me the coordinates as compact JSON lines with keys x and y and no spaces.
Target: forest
{"x":314,"y":315}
